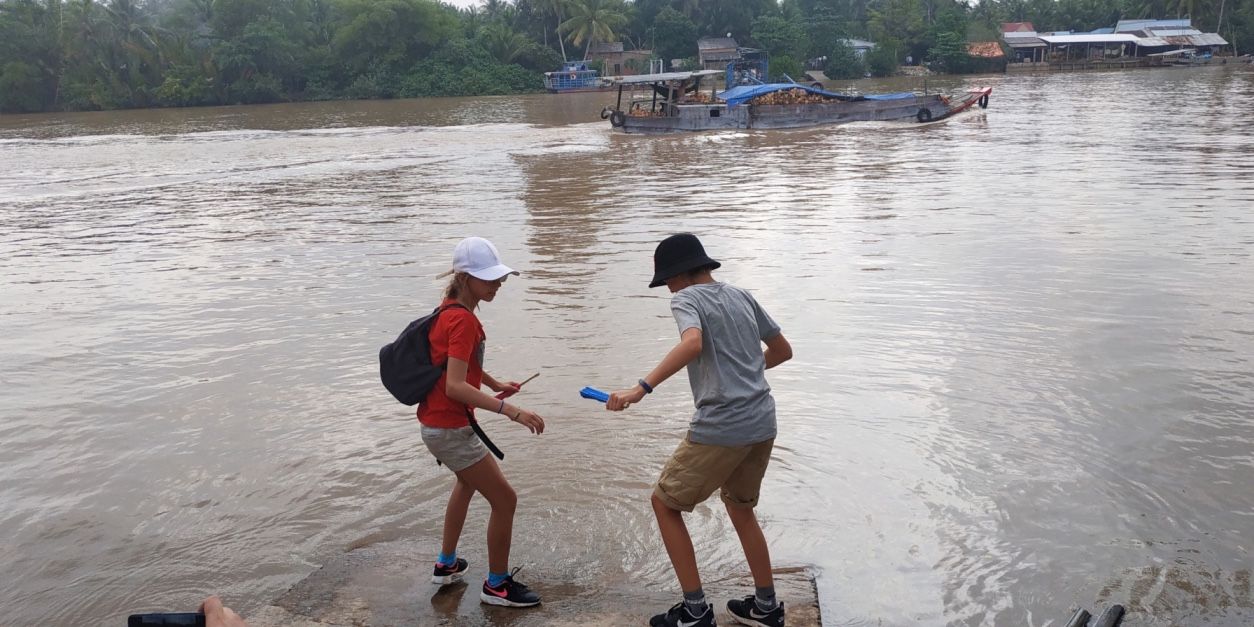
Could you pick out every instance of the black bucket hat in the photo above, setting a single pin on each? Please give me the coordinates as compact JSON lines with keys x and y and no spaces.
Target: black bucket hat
{"x":678,"y":254}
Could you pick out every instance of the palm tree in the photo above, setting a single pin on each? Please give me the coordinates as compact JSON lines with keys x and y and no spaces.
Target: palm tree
{"x":556,"y":8}
{"x":502,"y":42}
{"x":592,"y":21}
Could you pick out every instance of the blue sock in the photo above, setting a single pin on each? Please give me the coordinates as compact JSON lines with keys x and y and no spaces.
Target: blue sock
{"x":496,"y":579}
{"x":448,"y":559}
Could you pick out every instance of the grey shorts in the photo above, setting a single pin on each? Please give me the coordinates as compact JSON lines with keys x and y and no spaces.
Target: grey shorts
{"x":458,"y":449}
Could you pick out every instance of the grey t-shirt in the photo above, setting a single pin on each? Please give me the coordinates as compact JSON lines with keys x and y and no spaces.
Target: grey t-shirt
{"x":734,"y":404}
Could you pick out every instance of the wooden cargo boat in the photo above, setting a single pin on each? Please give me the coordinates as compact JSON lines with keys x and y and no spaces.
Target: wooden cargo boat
{"x":676,"y":102}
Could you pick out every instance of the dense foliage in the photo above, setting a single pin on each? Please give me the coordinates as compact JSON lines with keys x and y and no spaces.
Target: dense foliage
{"x":104,"y":54}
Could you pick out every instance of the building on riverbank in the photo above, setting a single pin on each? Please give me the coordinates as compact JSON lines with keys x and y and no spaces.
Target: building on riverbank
{"x":618,"y":61}
{"x":1130,"y":43}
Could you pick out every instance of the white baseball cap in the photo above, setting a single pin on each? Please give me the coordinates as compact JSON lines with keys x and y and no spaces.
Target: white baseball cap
{"x":478,"y":258}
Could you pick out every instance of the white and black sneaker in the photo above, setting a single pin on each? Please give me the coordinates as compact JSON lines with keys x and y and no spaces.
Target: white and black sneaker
{"x":746,"y":612}
{"x":680,"y":616}
{"x":509,"y":594}
{"x":452,"y":573}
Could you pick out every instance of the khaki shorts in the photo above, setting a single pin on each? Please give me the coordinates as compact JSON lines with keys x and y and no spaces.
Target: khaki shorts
{"x":695,"y":471}
{"x":458,"y":449}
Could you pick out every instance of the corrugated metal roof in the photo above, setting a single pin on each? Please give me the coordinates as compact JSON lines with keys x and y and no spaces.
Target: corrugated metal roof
{"x":1017,"y":27}
{"x":1026,"y":42}
{"x":607,"y":47}
{"x":1207,"y":39}
{"x":1019,"y":35}
{"x":1152,"y":42}
{"x":859,"y":43}
{"x":716,"y":43}
{"x":1124,"y":26}
{"x":1173,"y":32}
{"x":1117,"y":38}
{"x":666,"y":76}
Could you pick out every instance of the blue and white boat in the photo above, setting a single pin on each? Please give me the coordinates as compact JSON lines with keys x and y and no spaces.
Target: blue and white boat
{"x":573,"y":77}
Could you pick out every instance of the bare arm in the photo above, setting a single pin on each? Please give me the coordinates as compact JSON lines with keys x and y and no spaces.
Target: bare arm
{"x":778,"y":351}
{"x":688,"y":349}
{"x":456,"y":387}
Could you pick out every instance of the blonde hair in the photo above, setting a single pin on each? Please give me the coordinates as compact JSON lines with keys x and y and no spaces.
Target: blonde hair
{"x":456,"y":285}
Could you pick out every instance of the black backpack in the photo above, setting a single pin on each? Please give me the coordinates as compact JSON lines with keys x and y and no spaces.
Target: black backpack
{"x":405,"y":364}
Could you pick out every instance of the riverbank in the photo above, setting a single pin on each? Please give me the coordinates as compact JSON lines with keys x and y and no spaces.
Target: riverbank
{"x":389,"y":584}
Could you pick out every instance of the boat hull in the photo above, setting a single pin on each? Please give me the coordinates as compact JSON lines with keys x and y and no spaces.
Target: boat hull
{"x":719,"y":116}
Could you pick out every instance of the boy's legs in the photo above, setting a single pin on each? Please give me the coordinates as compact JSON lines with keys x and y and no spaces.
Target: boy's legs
{"x":678,"y":545}
{"x":753,"y":543}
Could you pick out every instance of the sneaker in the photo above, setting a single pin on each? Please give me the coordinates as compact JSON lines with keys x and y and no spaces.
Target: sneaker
{"x":745,"y":611}
{"x":679,"y":616}
{"x":509,"y":594}
{"x":444,"y":575}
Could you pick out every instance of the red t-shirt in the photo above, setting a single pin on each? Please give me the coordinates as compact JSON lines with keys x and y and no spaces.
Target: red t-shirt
{"x":457,"y":333}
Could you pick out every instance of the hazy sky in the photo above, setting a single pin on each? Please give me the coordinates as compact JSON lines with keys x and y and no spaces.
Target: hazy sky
{"x":463,"y":3}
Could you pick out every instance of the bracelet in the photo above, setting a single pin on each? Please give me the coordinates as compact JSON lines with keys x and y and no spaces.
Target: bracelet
{"x":516,"y":415}
{"x":648,"y":389}
{"x":501,"y":409}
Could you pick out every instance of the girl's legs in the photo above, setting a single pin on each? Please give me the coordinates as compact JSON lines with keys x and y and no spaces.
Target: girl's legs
{"x":485,"y":477}
{"x":455,"y":515}
{"x":754,"y":544}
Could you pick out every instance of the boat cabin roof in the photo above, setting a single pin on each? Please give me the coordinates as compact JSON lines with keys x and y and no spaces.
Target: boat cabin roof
{"x":640,"y":79}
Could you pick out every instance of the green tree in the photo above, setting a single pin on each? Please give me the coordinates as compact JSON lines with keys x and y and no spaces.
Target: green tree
{"x":555,"y":9}
{"x":843,"y":62}
{"x":779,"y":36}
{"x":882,"y":60}
{"x":675,"y":36}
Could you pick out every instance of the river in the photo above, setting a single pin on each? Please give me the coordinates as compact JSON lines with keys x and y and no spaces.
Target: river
{"x":1023,"y":378}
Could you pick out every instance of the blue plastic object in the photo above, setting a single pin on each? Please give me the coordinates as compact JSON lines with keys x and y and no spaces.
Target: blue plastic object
{"x":594,"y":394}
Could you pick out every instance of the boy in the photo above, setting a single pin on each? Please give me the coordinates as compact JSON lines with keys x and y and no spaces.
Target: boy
{"x":728,"y":446}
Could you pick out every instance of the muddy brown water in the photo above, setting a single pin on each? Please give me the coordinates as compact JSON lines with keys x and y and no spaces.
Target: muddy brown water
{"x":1022,"y":382}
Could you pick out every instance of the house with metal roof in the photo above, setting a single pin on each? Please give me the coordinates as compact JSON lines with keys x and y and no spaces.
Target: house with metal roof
{"x":714,"y":53}
{"x":618,"y":61}
{"x":1026,"y":47}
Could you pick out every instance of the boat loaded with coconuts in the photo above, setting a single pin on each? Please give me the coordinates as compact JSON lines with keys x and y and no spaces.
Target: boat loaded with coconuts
{"x":676,"y":101}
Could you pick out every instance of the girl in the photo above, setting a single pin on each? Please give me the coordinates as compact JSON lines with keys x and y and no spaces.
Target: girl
{"x":457,"y":340}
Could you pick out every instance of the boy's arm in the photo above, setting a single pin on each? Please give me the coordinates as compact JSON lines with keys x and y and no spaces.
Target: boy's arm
{"x":688,"y":349}
{"x":778,"y":351}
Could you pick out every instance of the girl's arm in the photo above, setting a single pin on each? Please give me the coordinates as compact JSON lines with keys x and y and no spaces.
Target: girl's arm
{"x":688,"y":349}
{"x":496,"y":386}
{"x":456,"y":388}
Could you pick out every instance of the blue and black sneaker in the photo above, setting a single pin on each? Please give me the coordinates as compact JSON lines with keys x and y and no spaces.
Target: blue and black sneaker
{"x":509,"y":594}
{"x":680,"y":616}
{"x":449,"y":573}
{"x":746,"y":612}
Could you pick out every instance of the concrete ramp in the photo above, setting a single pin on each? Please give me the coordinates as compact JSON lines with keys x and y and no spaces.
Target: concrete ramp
{"x":389,"y":584}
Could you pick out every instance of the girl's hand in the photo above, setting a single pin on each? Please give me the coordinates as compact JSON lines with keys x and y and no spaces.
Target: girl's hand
{"x":507,"y":389}
{"x":622,"y":399}
{"x":528,"y":419}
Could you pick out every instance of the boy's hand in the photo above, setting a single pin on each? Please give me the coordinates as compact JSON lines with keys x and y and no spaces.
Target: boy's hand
{"x":216,"y":615}
{"x":621,"y":399}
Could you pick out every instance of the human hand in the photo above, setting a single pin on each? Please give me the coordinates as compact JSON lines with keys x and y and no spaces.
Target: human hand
{"x":218,"y":615}
{"x":622,"y":399}
{"x":528,"y":419}
{"x":507,"y":389}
